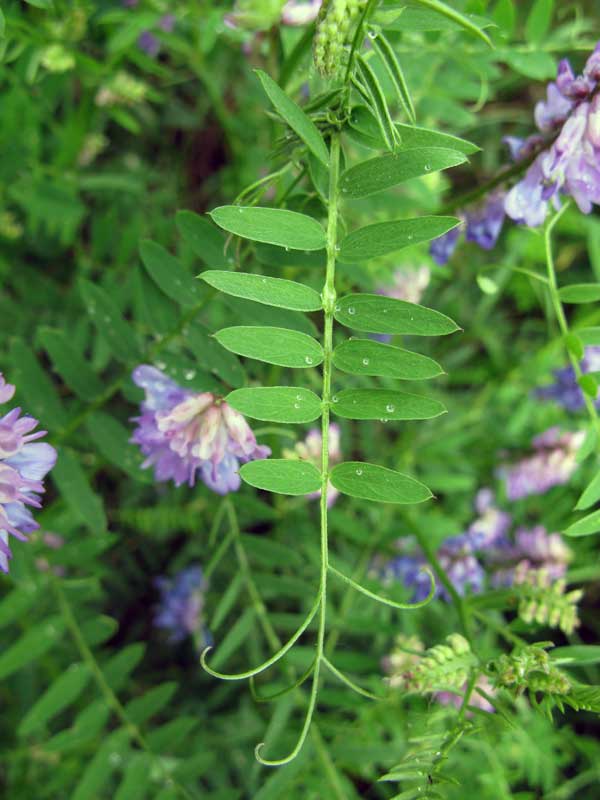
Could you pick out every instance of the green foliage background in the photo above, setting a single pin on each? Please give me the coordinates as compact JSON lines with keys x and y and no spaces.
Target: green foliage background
{"x":95,"y":702}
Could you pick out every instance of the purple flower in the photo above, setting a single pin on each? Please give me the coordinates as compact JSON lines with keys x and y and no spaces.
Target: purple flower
{"x":570,"y":164}
{"x":179,"y":610}
{"x":565,"y":390}
{"x":408,"y":570}
{"x":167,"y":23}
{"x":23,"y":466}
{"x":183,"y":434}
{"x":441,"y":249}
{"x":491,"y":526}
{"x":552,"y":464}
{"x":532,"y":548}
{"x":149,"y":44}
{"x":522,"y":148}
{"x":476,"y":700}
{"x":310,"y":450}
{"x":484,"y":222}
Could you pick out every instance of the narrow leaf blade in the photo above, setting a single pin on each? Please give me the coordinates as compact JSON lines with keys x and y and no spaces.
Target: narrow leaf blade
{"x":280,"y":346}
{"x":586,"y":526}
{"x":169,"y":274}
{"x":282,"y":476}
{"x":295,"y":117}
{"x":374,"y":313}
{"x":276,"y":403}
{"x":384,"y":404}
{"x":372,"y":482}
{"x":272,"y":226}
{"x":367,"y":357}
{"x":268,"y":291}
{"x":388,"y":237}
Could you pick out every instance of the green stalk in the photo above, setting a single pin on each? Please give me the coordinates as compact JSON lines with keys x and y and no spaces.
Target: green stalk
{"x":560,"y":312}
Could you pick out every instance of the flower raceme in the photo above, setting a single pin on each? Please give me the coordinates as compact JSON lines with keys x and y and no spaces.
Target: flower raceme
{"x":184,"y":434}
{"x":179,"y":611}
{"x":24,"y":463}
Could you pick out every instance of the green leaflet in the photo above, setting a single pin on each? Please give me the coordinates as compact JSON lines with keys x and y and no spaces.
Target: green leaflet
{"x":539,"y":21}
{"x":394,"y":69}
{"x":269,"y":291}
{"x":70,"y":364}
{"x":439,"y":16}
{"x":276,"y":403}
{"x":589,"y":335}
{"x":367,"y":357}
{"x":580,"y":293}
{"x":372,"y":482}
{"x":387,"y":237}
{"x":590,"y":495}
{"x":212,"y":357}
{"x":378,"y":174}
{"x":283,"y":476}
{"x":295,"y":117}
{"x":31,"y":645}
{"x":374,"y":313}
{"x":280,"y":346}
{"x":272,"y":226}
{"x":205,"y":241}
{"x":169,"y":274}
{"x":36,"y":386}
{"x":577,"y":654}
{"x":586,"y":526}
{"x":384,"y":404}
{"x":59,"y":695}
{"x":77,"y":493}
{"x":109,"y":321}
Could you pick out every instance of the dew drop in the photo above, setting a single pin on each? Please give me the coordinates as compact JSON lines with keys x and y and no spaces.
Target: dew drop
{"x":264,"y":280}
{"x":409,"y":237}
{"x":390,"y":408}
{"x":190,"y":374}
{"x":335,"y":399}
{"x":115,"y":759}
{"x":359,"y":472}
{"x":308,"y":360}
{"x":160,"y":365}
{"x":365,"y":362}
{"x":384,"y":420}
{"x":351,"y":311}
{"x":427,"y":167}
{"x":337,"y":308}
{"x":296,"y":405}
{"x":298,"y":397}
{"x":287,"y":249}
{"x":240,"y":210}
{"x":337,"y":248}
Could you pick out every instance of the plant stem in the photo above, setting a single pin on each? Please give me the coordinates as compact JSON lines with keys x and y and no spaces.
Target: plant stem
{"x":560,"y":312}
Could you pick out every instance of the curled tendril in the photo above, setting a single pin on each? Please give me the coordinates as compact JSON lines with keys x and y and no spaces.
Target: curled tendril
{"x":384,"y":600}
{"x":260,"y":698}
{"x":346,"y":680}
{"x":279,"y":762}
{"x":240,"y":676}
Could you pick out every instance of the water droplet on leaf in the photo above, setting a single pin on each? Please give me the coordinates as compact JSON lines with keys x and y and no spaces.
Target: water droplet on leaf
{"x":390,"y":408}
{"x":365,"y":362}
{"x":351,"y":311}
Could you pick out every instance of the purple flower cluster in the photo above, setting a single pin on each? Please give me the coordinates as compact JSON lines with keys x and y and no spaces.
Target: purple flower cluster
{"x":183,"y":434}
{"x":24,"y":463}
{"x":486,"y":547}
{"x":552,"y":463}
{"x":179,"y":609}
{"x":482,"y":225}
{"x":571,"y":164}
{"x":565,"y":390}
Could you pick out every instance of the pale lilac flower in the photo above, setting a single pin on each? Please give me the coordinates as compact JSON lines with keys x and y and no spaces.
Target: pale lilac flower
{"x":24,"y":463}
{"x":310,"y":450}
{"x":484,"y":222}
{"x":475,"y":700}
{"x":167,"y":23}
{"x":522,"y":148}
{"x":442,"y":247}
{"x":552,"y":464}
{"x":491,"y":526}
{"x":298,"y":13}
{"x":180,"y":607}
{"x":184,"y":434}
{"x":570,"y":164}
{"x":149,"y":44}
{"x":565,"y":390}
{"x":531,"y":548}
{"x":407,"y":284}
